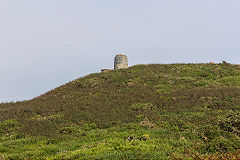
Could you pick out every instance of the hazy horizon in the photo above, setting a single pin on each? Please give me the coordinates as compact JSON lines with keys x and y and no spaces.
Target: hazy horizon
{"x":44,"y":44}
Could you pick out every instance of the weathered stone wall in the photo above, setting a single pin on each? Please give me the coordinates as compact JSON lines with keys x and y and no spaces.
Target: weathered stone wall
{"x":105,"y":70}
{"x":120,"y":62}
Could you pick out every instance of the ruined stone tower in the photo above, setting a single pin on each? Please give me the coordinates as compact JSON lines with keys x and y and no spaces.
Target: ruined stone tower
{"x":120,"y":62}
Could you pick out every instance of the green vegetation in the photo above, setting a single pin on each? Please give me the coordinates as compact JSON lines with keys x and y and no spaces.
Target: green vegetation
{"x":176,"y":111}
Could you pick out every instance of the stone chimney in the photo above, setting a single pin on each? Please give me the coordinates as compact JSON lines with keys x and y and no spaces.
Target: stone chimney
{"x":120,"y":62}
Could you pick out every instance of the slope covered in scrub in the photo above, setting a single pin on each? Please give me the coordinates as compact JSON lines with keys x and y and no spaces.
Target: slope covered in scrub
{"x":145,"y":111}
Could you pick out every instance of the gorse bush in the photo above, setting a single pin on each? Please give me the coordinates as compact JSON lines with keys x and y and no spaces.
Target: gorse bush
{"x":230,"y":123}
{"x":143,"y":106}
{"x":146,"y":111}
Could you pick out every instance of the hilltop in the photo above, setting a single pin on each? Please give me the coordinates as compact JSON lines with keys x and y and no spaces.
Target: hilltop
{"x":145,"y":111}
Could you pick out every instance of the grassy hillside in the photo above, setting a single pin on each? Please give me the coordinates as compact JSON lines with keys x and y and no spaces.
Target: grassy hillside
{"x":146,"y":111}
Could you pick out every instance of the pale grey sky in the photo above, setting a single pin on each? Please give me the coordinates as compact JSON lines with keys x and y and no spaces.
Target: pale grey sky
{"x":46,"y":43}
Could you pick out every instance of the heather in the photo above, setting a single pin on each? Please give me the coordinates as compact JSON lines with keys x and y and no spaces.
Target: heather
{"x":156,"y":111}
